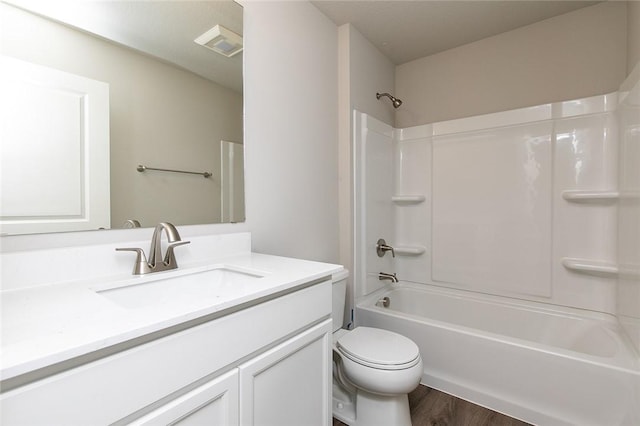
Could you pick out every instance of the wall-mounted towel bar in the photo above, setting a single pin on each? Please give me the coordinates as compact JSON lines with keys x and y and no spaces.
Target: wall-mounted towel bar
{"x":408,"y":199}
{"x":142,"y":168}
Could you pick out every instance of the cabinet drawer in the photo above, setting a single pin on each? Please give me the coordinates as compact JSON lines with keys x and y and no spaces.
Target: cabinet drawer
{"x":109,"y":389}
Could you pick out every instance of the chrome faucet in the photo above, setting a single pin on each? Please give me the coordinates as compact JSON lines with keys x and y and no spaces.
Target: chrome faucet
{"x":382,"y":248}
{"x":156,"y":262}
{"x":385,"y":276}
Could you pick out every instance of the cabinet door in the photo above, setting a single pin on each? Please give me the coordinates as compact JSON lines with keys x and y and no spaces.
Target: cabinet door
{"x":291,"y":383}
{"x":214,"y":403}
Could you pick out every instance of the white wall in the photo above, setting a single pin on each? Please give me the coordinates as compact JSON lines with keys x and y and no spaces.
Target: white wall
{"x":363,"y":71}
{"x":370,"y":72}
{"x":291,"y":129}
{"x":578,"y":54}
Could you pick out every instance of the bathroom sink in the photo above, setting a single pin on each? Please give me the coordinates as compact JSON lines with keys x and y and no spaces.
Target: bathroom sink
{"x":179,"y":287}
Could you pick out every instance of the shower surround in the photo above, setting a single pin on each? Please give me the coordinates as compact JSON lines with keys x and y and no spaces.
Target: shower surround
{"x":520,"y":207}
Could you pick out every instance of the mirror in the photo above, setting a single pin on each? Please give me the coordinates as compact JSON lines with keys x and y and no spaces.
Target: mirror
{"x":172,"y":104}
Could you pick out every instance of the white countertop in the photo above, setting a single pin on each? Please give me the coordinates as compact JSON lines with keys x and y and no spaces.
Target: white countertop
{"x":47,"y":324}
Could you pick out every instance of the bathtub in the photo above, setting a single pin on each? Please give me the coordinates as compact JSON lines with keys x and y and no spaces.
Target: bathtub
{"x":542,"y":364}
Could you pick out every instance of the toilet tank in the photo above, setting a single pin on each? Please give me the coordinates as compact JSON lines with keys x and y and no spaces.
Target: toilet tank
{"x":339,"y":291}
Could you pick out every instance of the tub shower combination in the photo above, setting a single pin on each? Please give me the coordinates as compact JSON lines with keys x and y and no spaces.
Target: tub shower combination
{"x":545,"y":366}
{"x":503,"y":229}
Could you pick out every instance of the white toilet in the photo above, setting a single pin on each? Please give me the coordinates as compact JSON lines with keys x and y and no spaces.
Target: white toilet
{"x":373,"y":370}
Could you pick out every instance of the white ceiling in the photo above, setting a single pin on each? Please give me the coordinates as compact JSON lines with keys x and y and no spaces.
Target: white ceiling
{"x":408,"y":30}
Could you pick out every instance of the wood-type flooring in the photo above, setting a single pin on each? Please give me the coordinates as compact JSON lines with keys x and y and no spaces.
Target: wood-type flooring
{"x":430,"y":407}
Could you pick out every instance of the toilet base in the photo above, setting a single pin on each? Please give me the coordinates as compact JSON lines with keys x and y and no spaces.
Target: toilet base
{"x":344,"y":405}
{"x":371,"y":409}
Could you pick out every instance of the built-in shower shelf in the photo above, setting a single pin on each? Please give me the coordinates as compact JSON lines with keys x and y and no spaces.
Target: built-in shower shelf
{"x":590,"y":266}
{"x":587,"y":196}
{"x":409,"y":250}
{"x":408,"y":199}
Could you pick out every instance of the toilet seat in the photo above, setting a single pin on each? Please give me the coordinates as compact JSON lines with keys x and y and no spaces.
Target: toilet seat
{"x":379,"y":349}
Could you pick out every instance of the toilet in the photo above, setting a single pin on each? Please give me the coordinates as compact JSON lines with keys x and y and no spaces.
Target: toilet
{"x":373,"y":370}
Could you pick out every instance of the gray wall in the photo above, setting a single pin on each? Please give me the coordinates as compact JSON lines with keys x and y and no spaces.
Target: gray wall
{"x":575,"y":55}
{"x":633,"y":34}
{"x":291,"y":139}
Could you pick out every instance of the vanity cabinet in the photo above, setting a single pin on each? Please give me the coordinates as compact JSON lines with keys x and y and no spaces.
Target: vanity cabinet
{"x":214,"y":403}
{"x":289,"y":384}
{"x":265,"y":363}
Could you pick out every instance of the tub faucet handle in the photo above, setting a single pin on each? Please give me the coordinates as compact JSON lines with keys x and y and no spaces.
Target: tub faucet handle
{"x":382,"y":248}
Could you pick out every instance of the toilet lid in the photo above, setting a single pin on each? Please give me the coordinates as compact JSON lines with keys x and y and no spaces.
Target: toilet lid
{"x":378,"y":348}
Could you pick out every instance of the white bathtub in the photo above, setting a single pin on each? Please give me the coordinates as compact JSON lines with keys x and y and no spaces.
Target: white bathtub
{"x":542,"y":364}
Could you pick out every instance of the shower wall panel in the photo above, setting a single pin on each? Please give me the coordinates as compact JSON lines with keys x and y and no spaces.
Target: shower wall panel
{"x":585,"y":162}
{"x":628,"y":301}
{"x":495,"y":219}
{"x":412,"y":213}
{"x":374,"y":212}
{"x":521,"y":204}
{"x":492,"y":209}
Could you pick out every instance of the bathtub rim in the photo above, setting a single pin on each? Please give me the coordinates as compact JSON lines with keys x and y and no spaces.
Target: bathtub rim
{"x":625,"y":360}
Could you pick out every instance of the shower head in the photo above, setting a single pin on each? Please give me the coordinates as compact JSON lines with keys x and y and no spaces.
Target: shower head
{"x":395,"y":101}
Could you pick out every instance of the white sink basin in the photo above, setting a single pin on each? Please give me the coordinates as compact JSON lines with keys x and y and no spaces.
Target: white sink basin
{"x":178,"y":287}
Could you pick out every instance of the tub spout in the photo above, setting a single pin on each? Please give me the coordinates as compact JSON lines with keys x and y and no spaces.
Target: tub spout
{"x":386,"y":276}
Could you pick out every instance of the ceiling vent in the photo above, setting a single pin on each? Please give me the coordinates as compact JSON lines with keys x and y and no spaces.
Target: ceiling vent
{"x":221,"y":40}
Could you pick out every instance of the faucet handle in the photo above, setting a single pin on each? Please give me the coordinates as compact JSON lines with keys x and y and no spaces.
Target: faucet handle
{"x":169,"y":257}
{"x":382,"y":248}
{"x":141,"y":266}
